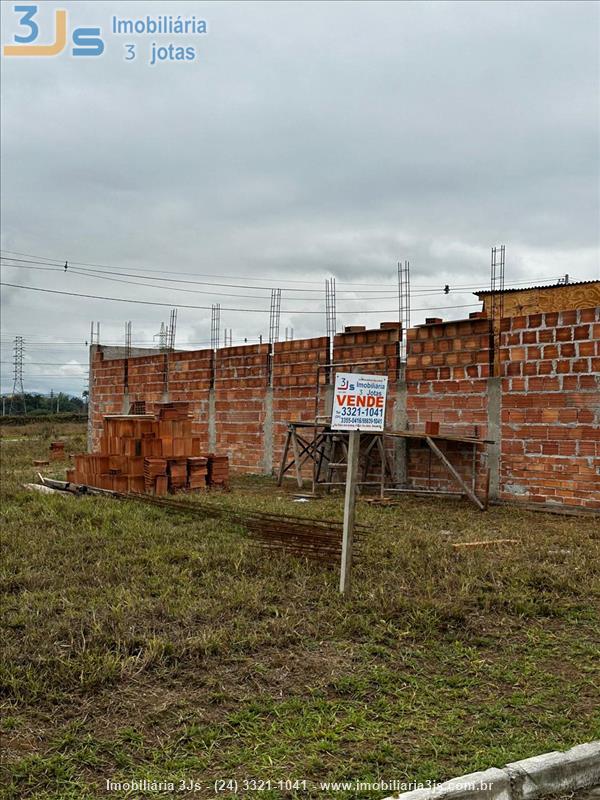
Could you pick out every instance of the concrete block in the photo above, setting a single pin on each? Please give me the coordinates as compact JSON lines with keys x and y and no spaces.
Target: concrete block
{"x":555,"y":773}
{"x":491,"y":784}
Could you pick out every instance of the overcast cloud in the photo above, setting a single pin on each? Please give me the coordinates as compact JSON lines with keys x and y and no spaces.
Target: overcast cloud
{"x":307,"y":140}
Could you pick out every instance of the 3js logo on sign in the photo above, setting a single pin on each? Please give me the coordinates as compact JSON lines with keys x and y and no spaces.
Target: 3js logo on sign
{"x":86,"y":41}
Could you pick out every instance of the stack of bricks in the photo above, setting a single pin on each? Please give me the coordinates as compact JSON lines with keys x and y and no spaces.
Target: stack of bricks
{"x":155,"y":476}
{"x":197,"y":472}
{"x":147,"y":453}
{"x":551,"y":408}
{"x":218,"y":471}
{"x":57,"y":451}
{"x":447,"y":367}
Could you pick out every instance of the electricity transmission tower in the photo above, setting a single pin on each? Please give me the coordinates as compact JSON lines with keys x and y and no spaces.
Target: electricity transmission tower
{"x":18,"y":392}
{"x":162,"y":337}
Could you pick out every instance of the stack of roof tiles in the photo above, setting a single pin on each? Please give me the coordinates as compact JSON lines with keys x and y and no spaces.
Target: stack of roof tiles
{"x":153,"y":454}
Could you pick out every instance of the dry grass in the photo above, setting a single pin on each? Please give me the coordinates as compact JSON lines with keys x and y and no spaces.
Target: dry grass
{"x":142,"y":643}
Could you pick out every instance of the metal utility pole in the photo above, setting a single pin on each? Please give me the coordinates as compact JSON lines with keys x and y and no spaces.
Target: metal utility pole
{"x":215,"y":326}
{"x":18,"y":392}
{"x":403,"y":305}
{"x":274,"y":315}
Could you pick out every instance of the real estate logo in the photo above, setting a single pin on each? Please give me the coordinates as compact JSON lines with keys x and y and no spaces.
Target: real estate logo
{"x":85,"y":41}
{"x":35,"y":38}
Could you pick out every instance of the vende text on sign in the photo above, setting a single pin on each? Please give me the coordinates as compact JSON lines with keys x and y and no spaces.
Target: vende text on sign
{"x":359,"y":402}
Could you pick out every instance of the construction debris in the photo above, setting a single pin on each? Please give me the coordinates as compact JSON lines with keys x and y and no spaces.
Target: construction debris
{"x":316,"y":539}
{"x":152,"y":454}
{"x":38,"y":487}
{"x":485,"y":542}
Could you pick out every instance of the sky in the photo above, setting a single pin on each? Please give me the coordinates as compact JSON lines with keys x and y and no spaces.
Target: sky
{"x":303,"y":141}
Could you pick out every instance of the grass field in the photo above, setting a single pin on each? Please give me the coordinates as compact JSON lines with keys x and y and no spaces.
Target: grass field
{"x":138,"y":643}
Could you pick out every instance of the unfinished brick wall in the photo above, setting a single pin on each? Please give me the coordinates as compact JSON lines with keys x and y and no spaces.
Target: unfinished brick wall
{"x":551,"y":408}
{"x":372,"y":351}
{"x":550,"y":397}
{"x":298,"y":386}
{"x":147,"y":379}
{"x":447,"y":367}
{"x":240,"y":384}
{"x":190,"y":379}
{"x":106,"y":391}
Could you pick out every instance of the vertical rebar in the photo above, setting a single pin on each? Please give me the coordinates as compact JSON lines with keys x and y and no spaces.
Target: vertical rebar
{"x":403,"y":305}
{"x":215,"y":326}
{"x":172,"y":329}
{"x":330,"y":313}
{"x":274,"y":315}
{"x":496,"y":305}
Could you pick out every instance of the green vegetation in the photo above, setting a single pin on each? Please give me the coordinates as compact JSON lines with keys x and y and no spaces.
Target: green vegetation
{"x":38,"y":405}
{"x":139,"y":643}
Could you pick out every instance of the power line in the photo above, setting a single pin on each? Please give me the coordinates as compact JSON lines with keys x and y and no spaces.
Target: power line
{"x":43,"y":363}
{"x":110,"y":269}
{"x":59,"y":262}
{"x":106,"y":275}
{"x":374,"y":294}
{"x":207,"y":308}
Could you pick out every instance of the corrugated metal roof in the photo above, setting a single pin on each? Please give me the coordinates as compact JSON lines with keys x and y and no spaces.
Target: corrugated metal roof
{"x":483,"y":292}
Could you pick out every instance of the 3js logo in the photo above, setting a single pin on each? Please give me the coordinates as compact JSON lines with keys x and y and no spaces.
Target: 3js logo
{"x":86,"y":41}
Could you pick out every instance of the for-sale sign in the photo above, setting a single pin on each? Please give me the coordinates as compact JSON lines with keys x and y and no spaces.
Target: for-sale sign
{"x":359,"y":402}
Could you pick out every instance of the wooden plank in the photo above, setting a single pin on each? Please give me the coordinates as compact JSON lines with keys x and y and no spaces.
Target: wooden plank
{"x":296,"y":458}
{"x":467,"y":489}
{"x":485,"y":542}
{"x":349,"y":511}
{"x":439,"y":437}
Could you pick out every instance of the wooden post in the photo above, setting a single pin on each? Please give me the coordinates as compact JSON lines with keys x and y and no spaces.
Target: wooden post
{"x":296,"y":450}
{"x":349,"y":508}
{"x":283,"y":464}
